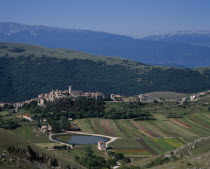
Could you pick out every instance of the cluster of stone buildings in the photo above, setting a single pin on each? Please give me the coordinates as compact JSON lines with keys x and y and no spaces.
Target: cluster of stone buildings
{"x":60,"y":94}
{"x":196,"y":96}
{"x":20,"y":104}
{"x":147,"y":98}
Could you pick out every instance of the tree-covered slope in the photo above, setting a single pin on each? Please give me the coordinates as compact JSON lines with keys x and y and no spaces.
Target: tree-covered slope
{"x":27,"y":70}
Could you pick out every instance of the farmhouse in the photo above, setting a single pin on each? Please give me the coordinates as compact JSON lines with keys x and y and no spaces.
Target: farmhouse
{"x":194,"y":97}
{"x":116,"y":97}
{"x":184,"y":99}
{"x":2,"y":104}
{"x":44,"y":129}
{"x":44,"y":120}
{"x":145,"y":98}
{"x":101,"y":145}
{"x":27,"y":117}
{"x":70,"y":119}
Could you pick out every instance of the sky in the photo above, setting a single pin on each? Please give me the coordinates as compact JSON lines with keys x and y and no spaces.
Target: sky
{"x":135,"y":18}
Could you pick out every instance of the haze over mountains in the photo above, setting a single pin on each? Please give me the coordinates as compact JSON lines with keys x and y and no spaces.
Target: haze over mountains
{"x":201,"y":38}
{"x":178,"y":50}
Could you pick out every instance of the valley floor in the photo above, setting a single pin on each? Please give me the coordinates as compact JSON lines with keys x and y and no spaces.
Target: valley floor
{"x":146,"y":138}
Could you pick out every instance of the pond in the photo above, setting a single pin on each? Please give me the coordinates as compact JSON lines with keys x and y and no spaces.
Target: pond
{"x":79,"y":139}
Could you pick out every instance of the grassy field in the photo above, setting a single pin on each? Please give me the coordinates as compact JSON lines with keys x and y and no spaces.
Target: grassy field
{"x":26,"y":131}
{"x":168,"y":95}
{"x":4,"y":113}
{"x":153,"y":137}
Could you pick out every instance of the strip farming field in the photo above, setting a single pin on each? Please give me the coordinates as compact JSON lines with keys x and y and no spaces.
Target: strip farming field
{"x":149,"y":137}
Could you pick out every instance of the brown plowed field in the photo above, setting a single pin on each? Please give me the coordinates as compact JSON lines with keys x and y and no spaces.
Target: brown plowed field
{"x":128,"y":150}
{"x":144,"y":129}
{"x":180,"y":123}
{"x":146,"y":147}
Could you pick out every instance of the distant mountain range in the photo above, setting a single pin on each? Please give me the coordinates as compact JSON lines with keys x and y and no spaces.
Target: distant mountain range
{"x":150,"y":50}
{"x":29,"y":70}
{"x":201,"y":38}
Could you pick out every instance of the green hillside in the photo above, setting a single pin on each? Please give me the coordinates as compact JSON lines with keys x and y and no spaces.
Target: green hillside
{"x":28,"y":70}
{"x":18,"y":153}
{"x":168,"y":95}
{"x":192,"y":155}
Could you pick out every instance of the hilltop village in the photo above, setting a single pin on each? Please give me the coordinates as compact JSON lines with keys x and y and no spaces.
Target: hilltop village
{"x":56,"y":95}
{"x":61,"y":94}
{"x":73,"y":94}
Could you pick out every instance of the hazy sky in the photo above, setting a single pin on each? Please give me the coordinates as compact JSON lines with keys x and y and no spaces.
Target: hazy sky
{"x":130,"y":17}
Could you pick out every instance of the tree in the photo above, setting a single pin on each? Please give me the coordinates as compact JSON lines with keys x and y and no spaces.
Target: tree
{"x":30,"y":106}
{"x":88,"y":151}
{"x":118,"y":156}
{"x":63,"y":122}
{"x":111,"y":153}
{"x":126,"y":160}
{"x":38,"y":124}
{"x":111,"y":163}
{"x":8,"y":106}
{"x":76,"y":158}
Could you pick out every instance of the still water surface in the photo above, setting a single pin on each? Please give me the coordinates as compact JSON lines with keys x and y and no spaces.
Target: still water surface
{"x":79,"y":139}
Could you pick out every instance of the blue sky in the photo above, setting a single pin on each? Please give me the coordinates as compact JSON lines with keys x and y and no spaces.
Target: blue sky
{"x":130,"y":17}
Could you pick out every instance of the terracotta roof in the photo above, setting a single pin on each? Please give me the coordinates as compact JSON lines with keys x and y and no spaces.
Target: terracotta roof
{"x":26,"y":115}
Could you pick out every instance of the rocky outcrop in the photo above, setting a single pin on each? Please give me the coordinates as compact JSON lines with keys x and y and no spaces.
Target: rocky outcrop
{"x":36,"y":159}
{"x":186,"y":149}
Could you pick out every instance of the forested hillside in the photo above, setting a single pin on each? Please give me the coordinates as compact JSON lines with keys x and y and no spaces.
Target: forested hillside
{"x":26,"y":71}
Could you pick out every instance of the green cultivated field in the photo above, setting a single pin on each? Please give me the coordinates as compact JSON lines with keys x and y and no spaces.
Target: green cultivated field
{"x":126,"y":144}
{"x":152,"y":137}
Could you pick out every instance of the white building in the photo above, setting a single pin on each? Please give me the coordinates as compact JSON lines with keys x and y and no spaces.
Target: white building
{"x":145,"y":98}
{"x":27,"y":117}
{"x":101,"y":145}
{"x":193,"y":97}
{"x":116,"y":97}
{"x":44,"y":129}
